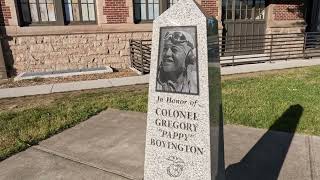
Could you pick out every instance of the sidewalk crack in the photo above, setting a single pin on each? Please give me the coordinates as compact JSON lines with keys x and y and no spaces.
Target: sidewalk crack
{"x":312,"y":170}
{"x":51,"y":88}
{"x":51,"y":152}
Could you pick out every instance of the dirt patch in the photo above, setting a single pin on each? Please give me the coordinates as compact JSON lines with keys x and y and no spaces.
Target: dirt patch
{"x":10,"y":83}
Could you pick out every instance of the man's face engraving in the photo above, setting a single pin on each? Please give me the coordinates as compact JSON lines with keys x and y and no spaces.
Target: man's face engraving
{"x":174,"y":57}
{"x":177,"y":63}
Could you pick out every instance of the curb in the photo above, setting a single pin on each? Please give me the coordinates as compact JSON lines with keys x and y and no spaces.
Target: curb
{"x":72,"y":86}
{"x":144,"y":79}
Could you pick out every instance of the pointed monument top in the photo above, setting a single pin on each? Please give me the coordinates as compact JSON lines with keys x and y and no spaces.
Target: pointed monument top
{"x":184,"y":12}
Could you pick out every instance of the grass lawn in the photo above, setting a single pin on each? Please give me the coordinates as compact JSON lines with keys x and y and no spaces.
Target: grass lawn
{"x":261,"y":99}
{"x":256,"y":100}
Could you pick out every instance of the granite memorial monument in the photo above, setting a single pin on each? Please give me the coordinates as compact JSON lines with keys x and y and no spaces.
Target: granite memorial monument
{"x":184,"y":137}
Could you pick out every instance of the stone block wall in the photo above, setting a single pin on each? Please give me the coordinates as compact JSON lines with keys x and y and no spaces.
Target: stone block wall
{"x":288,"y":46}
{"x":60,"y":52}
{"x":288,"y":42}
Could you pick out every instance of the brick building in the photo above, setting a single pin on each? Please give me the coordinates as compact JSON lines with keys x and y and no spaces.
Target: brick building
{"x":48,"y":35}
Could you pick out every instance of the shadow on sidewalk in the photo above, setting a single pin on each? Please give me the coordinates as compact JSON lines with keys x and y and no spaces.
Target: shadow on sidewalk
{"x":265,"y":159}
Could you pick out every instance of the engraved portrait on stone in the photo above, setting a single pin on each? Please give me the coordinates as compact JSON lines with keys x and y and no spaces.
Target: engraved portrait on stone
{"x":177,"y":70}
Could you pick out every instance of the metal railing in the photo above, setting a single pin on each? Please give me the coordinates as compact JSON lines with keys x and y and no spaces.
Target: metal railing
{"x":140,"y":55}
{"x":237,"y":50}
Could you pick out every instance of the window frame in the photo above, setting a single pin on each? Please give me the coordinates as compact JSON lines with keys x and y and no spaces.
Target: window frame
{"x":168,"y":3}
{"x":59,"y":12}
{"x":81,"y":22}
{"x":249,"y":8}
{"x":163,"y":6}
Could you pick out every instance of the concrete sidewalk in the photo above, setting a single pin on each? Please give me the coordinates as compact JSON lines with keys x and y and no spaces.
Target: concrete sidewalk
{"x":105,"y":83}
{"x":72,"y":86}
{"x":111,"y":146}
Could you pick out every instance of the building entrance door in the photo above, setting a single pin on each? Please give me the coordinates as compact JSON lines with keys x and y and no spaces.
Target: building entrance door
{"x":313,"y":15}
{"x":244,"y":25}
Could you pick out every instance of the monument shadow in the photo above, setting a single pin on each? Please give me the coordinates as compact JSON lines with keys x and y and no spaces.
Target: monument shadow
{"x":7,"y":53}
{"x":265,"y":159}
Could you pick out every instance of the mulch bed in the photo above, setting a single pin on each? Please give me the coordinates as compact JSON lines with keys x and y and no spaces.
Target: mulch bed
{"x":10,"y":83}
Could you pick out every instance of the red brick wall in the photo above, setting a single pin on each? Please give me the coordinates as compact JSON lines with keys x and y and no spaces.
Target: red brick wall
{"x":287,"y":9}
{"x":210,"y":6}
{"x":116,"y":11}
{"x":5,"y":13}
{"x":287,"y":12}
